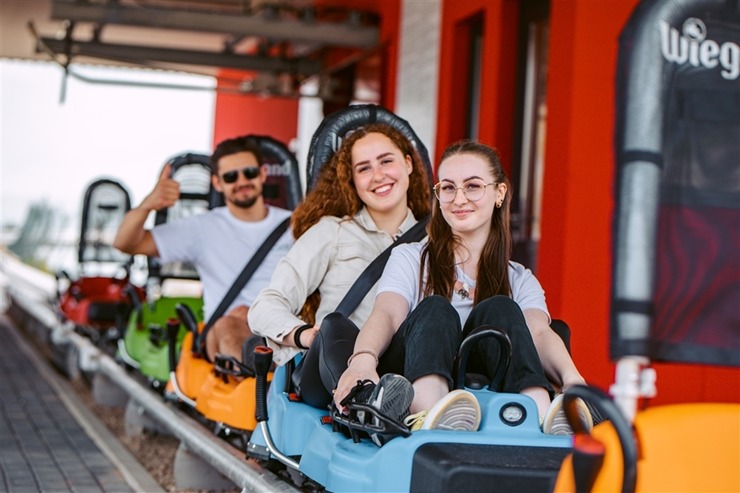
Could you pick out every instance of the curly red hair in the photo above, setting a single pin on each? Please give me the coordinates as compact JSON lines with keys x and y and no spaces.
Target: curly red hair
{"x":335,"y":193}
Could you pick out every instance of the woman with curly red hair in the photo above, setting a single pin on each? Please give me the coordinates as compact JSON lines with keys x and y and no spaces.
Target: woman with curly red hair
{"x":374,"y":189}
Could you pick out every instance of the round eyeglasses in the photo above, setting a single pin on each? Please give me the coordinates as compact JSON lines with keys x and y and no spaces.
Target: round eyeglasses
{"x":473,"y":190}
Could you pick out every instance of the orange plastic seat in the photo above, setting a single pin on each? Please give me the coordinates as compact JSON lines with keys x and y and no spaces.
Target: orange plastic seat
{"x":192,"y":370}
{"x":230,"y":402}
{"x":681,"y":448}
{"x":223,"y":400}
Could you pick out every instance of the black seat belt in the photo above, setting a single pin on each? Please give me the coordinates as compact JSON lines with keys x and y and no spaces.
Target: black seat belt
{"x":372,"y":272}
{"x":243,"y":277}
{"x":362,"y":285}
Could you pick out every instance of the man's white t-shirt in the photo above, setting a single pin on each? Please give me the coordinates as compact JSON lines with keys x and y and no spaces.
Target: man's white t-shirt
{"x":219,"y":246}
{"x":401,"y":276}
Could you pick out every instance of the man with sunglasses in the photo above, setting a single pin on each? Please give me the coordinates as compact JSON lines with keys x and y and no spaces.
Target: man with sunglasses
{"x":218,"y":243}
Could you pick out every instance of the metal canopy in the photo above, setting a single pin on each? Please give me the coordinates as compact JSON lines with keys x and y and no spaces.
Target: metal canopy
{"x":266,"y":23}
{"x":286,"y":40}
{"x":131,"y":53}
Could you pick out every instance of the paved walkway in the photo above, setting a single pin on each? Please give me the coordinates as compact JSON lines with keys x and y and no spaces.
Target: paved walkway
{"x":48,"y":442}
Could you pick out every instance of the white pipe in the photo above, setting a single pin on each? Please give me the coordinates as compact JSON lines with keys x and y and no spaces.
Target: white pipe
{"x":628,"y":384}
{"x":178,"y":391}
{"x":123,"y":354}
{"x":272,"y":448}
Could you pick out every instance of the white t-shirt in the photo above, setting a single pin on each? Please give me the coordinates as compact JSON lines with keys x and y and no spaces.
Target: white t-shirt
{"x":401,"y":276}
{"x":219,"y":246}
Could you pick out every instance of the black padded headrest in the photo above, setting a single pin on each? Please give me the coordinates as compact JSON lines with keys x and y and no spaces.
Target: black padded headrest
{"x":328,"y":137}
{"x":197,"y":185}
{"x":105,"y":203}
{"x":283,"y":186}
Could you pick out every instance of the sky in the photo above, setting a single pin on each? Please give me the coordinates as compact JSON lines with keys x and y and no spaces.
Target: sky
{"x":52,"y":150}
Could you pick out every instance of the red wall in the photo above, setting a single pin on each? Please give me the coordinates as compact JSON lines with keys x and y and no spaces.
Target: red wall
{"x":238,"y":114}
{"x":497,"y":99}
{"x":578,"y":197}
{"x":575,"y":259}
{"x":389,"y":12}
{"x":577,"y":202}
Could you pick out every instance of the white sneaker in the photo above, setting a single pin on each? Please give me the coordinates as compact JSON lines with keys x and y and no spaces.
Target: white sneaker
{"x":556,"y":422}
{"x":459,"y":410}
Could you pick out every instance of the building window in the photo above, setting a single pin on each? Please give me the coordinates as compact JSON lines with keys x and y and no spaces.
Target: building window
{"x":475,"y":52}
{"x":531,"y":123}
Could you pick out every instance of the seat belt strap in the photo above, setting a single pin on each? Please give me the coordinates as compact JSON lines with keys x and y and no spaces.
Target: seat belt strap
{"x":364,"y":283}
{"x":245,"y":275}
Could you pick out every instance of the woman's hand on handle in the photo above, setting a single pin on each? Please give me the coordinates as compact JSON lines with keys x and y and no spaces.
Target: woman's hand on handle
{"x":388,"y":313}
{"x":361,"y":368}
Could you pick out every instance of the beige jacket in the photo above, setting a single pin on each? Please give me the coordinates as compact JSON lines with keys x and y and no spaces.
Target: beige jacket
{"x":328,"y":257}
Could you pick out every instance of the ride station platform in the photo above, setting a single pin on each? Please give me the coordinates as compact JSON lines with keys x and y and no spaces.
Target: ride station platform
{"x":49,"y":441}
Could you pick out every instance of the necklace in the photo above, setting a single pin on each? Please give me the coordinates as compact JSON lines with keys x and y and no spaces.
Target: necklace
{"x":464,"y":291}
{"x":463,"y":286}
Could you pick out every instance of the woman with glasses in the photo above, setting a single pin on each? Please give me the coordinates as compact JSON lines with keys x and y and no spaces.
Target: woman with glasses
{"x":434,"y":293}
{"x":373,"y":190}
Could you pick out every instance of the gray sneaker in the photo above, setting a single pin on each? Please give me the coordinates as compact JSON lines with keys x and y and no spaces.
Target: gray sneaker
{"x":392,"y":396}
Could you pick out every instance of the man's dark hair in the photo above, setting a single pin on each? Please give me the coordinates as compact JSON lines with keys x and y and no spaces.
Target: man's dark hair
{"x":245,"y":143}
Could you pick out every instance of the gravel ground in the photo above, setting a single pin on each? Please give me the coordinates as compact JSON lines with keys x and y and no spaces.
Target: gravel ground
{"x":155,"y":452}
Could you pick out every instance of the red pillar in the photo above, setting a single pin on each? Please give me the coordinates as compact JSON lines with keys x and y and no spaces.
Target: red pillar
{"x":239,"y":114}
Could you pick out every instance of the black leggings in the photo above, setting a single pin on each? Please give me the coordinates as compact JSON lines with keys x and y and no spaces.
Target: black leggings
{"x":326,"y":359}
{"x":426,"y":343}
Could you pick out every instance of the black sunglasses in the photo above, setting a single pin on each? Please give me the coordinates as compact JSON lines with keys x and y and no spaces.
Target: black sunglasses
{"x":250,"y":173}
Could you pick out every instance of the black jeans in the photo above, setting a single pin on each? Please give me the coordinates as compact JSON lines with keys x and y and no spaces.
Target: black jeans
{"x":525,"y":369}
{"x":426,"y":343}
{"x":326,"y":359}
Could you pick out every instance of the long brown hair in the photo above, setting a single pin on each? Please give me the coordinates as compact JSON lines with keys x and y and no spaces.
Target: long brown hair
{"x":438,"y":255}
{"x":335,"y":193}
